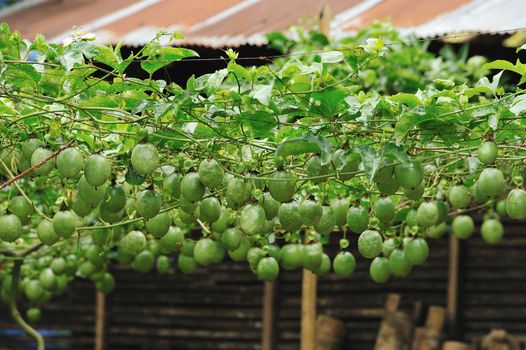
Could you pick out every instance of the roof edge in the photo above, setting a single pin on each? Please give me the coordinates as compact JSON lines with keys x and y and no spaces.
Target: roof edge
{"x":12,"y":9}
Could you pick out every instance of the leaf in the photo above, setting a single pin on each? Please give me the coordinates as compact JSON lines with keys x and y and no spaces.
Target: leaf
{"x":238,"y":70}
{"x":6,"y":110}
{"x":492,"y":87}
{"x":262,"y":93}
{"x":133,"y":177}
{"x":331,"y":57}
{"x":397,"y":152}
{"x":493,"y":121}
{"x":329,"y":102}
{"x":164,"y":57}
{"x":370,"y":160}
{"x":112,"y":58}
{"x":409,"y":99}
{"x":518,"y":105}
{"x":518,"y":68}
{"x":406,"y":122}
{"x":306,"y":144}
{"x":216,"y":79}
{"x":260,"y":122}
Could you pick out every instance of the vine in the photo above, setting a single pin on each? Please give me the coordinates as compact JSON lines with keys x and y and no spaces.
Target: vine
{"x":368,"y":136}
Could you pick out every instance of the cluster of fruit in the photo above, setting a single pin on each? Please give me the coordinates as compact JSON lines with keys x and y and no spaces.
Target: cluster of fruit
{"x":272,"y":223}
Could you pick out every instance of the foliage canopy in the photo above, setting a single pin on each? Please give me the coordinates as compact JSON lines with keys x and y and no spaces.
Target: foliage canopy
{"x":368,"y":135}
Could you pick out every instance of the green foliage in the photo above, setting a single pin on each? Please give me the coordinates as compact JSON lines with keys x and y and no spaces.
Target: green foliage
{"x":368,"y":134}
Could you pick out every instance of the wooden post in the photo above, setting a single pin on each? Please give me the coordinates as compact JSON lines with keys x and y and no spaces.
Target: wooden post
{"x":308,"y":311}
{"x":268,"y":336}
{"x":453,"y":286}
{"x":100,"y":321}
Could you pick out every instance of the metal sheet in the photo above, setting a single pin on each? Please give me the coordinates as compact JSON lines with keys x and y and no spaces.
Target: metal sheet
{"x":479,"y":16}
{"x":54,"y":17}
{"x":218,"y":23}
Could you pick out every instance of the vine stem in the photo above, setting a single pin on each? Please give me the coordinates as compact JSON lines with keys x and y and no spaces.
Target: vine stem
{"x":17,"y":317}
{"x":37,"y":165}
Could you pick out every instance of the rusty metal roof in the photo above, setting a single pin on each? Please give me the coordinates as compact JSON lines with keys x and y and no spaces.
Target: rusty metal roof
{"x":220,"y":23}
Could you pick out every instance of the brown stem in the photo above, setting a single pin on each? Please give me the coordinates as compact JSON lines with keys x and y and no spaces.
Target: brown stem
{"x":37,"y":165}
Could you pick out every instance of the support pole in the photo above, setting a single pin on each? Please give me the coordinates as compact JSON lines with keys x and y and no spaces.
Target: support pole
{"x":308,"y":311}
{"x":100,"y":321}
{"x":453,"y":287}
{"x":268,"y":336}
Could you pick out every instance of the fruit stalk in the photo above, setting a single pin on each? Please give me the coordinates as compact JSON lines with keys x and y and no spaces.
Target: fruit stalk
{"x":15,"y":314}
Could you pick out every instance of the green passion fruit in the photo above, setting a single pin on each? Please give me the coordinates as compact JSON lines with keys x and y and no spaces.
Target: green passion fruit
{"x":10,"y":228}
{"x":97,"y":170}
{"x":65,"y":223}
{"x":70,"y":162}
{"x":344,"y":264}
{"x":427,"y":214}
{"x":211,"y":173}
{"x":487,"y":152}
{"x":516,"y":204}
{"x":370,"y":244}
{"x":327,"y":221}
{"x":145,"y":158}
{"x":210,"y":209}
{"x":282,"y":186}
{"x":148,"y":203}
{"x":339,"y":208}
{"x":40,"y":155}
{"x":491,"y":182}
{"x":409,"y":175}
{"x":492,"y":231}
{"x":384,"y":209}
{"x":310,"y":211}
{"x":289,"y":216}
{"x":357,"y":219}
{"x":252,"y":219}
{"x":459,"y":196}
{"x":416,"y":251}
{"x":238,"y":192}
{"x":463,"y":226}
{"x":192,"y":189}
{"x":379,"y":270}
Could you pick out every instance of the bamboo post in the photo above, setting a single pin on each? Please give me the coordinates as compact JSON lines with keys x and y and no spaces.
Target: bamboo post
{"x":100,"y":321}
{"x":453,"y":286}
{"x":308,"y":311}
{"x":268,"y":336}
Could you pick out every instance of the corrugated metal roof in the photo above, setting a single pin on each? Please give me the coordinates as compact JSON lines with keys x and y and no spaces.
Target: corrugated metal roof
{"x":479,"y":16}
{"x":219,"y":23}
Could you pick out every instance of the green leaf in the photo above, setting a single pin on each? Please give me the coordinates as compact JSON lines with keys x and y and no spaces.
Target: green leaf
{"x":112,"y":58}
{"x":261,"y":122}
{"x":262,"y":93}
{"x":408,"y":99}
{"x":392,"y":150}
{"x":329,"y":102}
{"x":331,"y":57}
{"x":520,"y":48}
{"x":371,"y":161}
{"x":518,"y":68}
{"x":133,"y":177}
{"x":164,"y":57}
{"x":518,"y":105}
{"x":406,"y":122}
{"x":216,"y":79}
{"x":492,"y":87}
{"x":6,"y":110}
{"x":306,"y":144}
{"x":239,"y":71}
